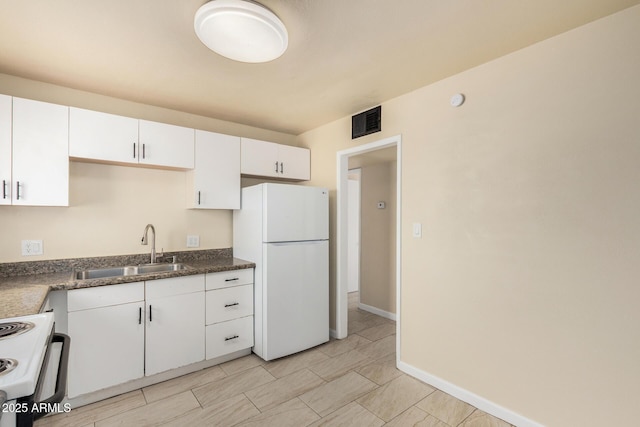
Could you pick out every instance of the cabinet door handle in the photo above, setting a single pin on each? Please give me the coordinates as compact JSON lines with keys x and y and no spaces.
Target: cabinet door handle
{"x":198,"y":198}
{"x":281,"y":167}
{"x":4,"y":189}
{"x":231,"y":305}
{"x":139,"y":315}
{"x":150,"y":314}
{"x":276,"y":167}
{"x":231,"y":338}
{"x":18,"y":190}
{"x":134,"y":150}
{"x":232,"y":280}
{"x":144,"y":153}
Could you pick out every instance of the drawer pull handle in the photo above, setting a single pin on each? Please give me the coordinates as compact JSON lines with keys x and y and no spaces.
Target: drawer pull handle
{"x":231,"y":305}
{"x":231,"y":338}
{"x":232,"y":280}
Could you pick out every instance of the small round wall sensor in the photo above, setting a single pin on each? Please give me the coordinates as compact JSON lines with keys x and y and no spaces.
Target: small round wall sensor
{"x":457,"y":100}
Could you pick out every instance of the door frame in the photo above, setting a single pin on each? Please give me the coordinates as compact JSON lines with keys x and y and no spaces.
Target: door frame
{"x":342,"y":158}
{"x":358,"y":172}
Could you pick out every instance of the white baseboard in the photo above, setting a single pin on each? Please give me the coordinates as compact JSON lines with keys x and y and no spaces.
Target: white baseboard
{"x":469,"y":397}
{"x":377,"y":311}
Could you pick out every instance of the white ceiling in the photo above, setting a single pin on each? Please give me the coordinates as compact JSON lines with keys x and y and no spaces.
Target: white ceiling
{"x":344,"y":56}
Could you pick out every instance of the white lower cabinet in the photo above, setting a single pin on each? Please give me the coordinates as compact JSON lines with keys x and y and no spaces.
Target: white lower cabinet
{"x":227,"y":337}
{"x":175,"y":323}
{"x":229,"y":317}
{"x":106,"y":326}
{"x":124,"y":332}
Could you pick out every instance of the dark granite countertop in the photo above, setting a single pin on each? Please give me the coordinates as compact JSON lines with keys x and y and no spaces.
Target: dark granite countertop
{"x":24,"y":294}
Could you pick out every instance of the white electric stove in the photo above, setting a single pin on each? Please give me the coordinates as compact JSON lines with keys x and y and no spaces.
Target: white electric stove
{"x":25,"y":343}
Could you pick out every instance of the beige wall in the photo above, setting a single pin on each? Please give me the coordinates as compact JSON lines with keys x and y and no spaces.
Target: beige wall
{"x":524,"y":287}
{"x":110,"y":205}
{"x":377,"y":237}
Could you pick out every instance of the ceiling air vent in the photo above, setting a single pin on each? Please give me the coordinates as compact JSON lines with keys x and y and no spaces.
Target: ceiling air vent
{"x":367,"y":122}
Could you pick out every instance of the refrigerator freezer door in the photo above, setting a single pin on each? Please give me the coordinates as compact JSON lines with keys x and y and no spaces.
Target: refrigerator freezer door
{"x":296,"y":292}
{"x":295,"y":213}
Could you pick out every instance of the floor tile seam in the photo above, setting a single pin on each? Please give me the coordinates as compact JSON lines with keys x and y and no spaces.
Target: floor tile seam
{"x":242,"y":392}
{"x":121,"y":412}
{"x":465,"y":418}
{"x":173,"y":418}
{"x":250,"y":401}
{"x":345,"y":404}
{"x":433,"y":415}
{"x":268,"y":407}
{"x":306,"y":404}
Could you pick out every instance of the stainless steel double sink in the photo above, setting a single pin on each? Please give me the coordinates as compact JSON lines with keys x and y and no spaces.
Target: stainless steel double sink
{"x":129,"y":270}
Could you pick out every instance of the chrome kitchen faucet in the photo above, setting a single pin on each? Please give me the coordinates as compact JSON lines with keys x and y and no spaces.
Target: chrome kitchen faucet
{"x":153,"y":241}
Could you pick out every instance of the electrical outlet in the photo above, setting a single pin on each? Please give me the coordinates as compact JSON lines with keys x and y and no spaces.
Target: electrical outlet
{"x":32,"y":247}
{"x":193,"y":241}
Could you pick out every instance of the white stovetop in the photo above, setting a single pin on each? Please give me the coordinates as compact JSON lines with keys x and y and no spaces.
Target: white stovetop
{"x":29,"y":350}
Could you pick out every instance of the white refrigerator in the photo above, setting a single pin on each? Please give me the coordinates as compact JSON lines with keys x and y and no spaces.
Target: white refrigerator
{"x":284,"y":229}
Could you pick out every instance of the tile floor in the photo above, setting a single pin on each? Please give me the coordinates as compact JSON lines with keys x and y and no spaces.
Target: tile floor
{"x":351,"y":382}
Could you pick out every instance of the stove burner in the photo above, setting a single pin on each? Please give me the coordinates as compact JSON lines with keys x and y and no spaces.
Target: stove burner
{"x":12,"y":329}
{"x":7,"y":365}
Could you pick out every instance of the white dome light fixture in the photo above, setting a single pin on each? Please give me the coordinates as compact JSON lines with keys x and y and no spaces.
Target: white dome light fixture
{"x":241,"y":30}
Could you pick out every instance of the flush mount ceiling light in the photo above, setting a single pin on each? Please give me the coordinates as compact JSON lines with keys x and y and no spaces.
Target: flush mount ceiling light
{"x":241,"y":30}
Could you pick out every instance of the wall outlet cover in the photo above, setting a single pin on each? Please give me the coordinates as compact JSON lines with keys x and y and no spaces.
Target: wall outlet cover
{"x":32,"y":247}
{"x":193,"y":241}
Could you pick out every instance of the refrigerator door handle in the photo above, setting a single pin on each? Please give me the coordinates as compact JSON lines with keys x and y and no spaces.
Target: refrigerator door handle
{"x":299,"y":242}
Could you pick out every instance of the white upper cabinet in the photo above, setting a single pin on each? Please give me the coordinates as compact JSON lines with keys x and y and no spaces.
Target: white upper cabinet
{"x":101,"y":136}
{"x":214,"y":183}
{"x":40,"y":151}
{"x":295,"y":162}
{"x":111,"y":138}
{"x":5,"y":149}
{"x":161,"y":144}
{"x":259,"y":158}
{"x":262,"y":158}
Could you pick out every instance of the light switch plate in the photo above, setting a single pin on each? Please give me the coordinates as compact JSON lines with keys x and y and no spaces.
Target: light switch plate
{"x":32,"y":247}
{"x":193,"y":241}
{"x":417,"y":230}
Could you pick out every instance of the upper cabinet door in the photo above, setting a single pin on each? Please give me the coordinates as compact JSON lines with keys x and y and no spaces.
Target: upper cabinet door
{"x":259,"y":158}
{"x":5,"y":150}
{"x":166,"y":145}
{"x":40,"y":153}
{"x":262,"y":158}
{"x":295,"y":162}
{"x":214,"y":183}
{"x":102,"y":136}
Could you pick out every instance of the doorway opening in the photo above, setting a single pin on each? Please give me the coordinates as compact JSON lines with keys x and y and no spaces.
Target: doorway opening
{"x":371,"y":152}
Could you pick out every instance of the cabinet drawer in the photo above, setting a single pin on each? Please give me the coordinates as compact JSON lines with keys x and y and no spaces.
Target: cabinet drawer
{"x":103,"y":296}
{"x":174,"y":286}
{"x":227,"y":337}
{"x":229,"y":303}
{"x":226,"y":279}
